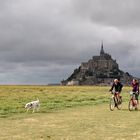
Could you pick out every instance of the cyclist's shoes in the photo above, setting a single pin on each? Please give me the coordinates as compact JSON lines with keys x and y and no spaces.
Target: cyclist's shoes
{"x":136,"y":108}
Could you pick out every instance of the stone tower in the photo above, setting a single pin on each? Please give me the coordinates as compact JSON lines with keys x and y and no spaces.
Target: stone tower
{"x":102,"y":50}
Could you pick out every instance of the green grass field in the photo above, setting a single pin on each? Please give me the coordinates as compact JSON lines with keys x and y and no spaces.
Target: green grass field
{"x":66,"y":113}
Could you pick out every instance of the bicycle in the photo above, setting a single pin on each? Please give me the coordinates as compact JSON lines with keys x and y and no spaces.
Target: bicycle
{"x":115,"y":101}
{"x":133,"y":103}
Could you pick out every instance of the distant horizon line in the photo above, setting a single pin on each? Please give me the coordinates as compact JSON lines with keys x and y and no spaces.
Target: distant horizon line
{"x":30,"y":84}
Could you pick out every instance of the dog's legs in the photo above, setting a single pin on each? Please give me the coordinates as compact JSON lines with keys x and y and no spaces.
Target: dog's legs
{"x":33,"y":110}
{"x":38,"y":107}
{"x":27,"y":110}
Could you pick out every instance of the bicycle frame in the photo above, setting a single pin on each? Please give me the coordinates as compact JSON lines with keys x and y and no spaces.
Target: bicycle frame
{"x":117,"y":101}
{"x":116,"y":95}
{"x":133,"y":103}
{"x":133,"y":100}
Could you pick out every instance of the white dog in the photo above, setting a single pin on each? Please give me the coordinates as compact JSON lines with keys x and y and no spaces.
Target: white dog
{"x":33,"y":105}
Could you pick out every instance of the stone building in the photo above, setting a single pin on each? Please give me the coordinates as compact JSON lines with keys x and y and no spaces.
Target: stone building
{"x":100,"y":70}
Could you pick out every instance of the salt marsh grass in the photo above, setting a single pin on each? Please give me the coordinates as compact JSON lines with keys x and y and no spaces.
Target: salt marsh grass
{"x":66,"y":113}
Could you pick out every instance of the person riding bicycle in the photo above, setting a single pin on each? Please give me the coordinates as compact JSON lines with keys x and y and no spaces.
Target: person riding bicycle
{"x":117,"y":86}
{"x":135,"y":88}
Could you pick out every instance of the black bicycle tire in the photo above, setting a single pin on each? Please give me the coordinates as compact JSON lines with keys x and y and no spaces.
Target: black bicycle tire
{"x":119,"y":105}
{"x":130,"y":102}
{"x":112,"y":100}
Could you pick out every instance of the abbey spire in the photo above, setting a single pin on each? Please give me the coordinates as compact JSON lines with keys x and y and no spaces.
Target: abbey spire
{"x":102,"y":49}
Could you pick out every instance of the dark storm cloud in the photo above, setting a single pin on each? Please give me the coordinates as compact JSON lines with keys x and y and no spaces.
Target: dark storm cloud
{"x":114,"y":13}
{"x":42,"y":41}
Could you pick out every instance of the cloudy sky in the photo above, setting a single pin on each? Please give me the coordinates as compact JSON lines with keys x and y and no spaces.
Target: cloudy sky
{"x":43,"y":41}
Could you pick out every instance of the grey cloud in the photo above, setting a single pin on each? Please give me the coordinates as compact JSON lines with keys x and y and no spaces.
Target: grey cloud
{"x":34,"y":74}
{"x":113,"y":13}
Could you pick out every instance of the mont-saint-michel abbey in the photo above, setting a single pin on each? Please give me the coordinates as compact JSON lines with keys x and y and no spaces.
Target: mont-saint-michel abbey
{"x":100,"y":70}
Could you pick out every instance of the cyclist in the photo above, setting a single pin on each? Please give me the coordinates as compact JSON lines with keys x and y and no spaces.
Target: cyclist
{"x":135,"y":88}
{"x":117,"y":86}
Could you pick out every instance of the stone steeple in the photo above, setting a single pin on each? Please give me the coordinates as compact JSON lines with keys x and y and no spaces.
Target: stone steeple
{"x":102,"y":50}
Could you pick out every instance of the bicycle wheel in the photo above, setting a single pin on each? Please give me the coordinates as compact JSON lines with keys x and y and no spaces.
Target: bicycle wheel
{"x":119,"y":104}
{"x":137,"y":106}
{"x":112,"y":103}
{"x":130,"y":105}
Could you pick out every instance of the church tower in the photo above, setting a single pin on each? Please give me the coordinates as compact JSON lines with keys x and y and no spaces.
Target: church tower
{"x":102,"y":50}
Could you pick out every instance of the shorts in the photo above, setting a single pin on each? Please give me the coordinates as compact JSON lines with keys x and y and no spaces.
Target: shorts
{"x":136,"y":95}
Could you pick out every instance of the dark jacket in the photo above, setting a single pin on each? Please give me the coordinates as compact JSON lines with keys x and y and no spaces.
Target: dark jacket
{"x":117,"y":87}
